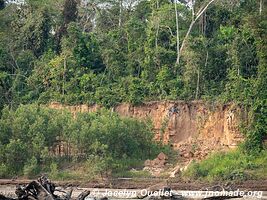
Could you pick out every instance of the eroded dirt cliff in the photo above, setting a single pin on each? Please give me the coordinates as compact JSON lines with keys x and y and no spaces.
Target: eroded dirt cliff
{"x":178,"y":122}
{"x":194,"y":128}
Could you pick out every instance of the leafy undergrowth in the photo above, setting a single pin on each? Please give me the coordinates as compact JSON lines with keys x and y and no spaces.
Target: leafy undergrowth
{"x":233,"y":165}
{"x":101,"y":142}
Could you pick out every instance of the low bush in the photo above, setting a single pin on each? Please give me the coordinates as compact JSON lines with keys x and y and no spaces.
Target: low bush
{"x":233,"y":165}
{"x":105,"y":140}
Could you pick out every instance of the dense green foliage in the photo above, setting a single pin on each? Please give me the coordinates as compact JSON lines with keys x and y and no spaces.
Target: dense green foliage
{"x":234,"y":165}
{"x":112,"y":51}
{"x":108,"y":142}
{"x":91,"y":52}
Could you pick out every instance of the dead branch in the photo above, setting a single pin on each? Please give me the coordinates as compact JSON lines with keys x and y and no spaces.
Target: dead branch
{"x":42,"y":189}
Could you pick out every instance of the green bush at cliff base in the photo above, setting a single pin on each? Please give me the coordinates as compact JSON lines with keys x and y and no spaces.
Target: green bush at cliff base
{"x":234,"y":166}
{"x":103,"y":141}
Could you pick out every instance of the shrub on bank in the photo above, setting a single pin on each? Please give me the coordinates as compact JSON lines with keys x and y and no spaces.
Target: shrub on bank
{"x":233,"y":165}
{"x":29,"y":133}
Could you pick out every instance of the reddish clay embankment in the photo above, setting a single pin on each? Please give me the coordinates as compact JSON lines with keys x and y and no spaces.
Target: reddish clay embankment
{"x":193,"y":128}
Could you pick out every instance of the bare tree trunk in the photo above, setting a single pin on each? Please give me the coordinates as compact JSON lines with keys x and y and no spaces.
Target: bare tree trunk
{"x":261,"y":6}
{"x":64,"y":76}
{"x":186,"y":36}
{"x":86,"y":22}
{"x":205,"y":24}
{"x":157,"y":31}
{"x":194,"y":19}
{"x":157,"y":34}
{"x":120,"y":18}
{"x":193,"y":10}
{"x":202,"y":24}
{"x":198,"y":77}
{"x":207,"y":57}
{"x":177,"y":34}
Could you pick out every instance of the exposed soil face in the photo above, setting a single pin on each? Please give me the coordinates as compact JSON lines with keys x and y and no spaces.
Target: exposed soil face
{"x":194,"y":128}
{"x":176,"y":122}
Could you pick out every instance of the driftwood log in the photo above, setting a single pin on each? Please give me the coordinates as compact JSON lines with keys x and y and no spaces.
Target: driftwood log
{"x":42,"y":189}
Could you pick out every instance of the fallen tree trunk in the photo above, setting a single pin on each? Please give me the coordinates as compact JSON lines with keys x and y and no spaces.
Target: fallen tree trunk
{"x":42,"y":189}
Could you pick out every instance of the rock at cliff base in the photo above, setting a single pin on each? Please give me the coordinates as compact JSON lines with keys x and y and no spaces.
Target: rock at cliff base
{"x":156,"y":166}
{"x":162,"y":156}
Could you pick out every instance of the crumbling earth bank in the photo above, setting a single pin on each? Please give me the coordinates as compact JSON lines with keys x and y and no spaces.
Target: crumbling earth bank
{"x":180,"y":123}
{"x":193,"y":128}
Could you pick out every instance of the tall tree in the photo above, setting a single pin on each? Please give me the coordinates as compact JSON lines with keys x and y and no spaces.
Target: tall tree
{"x":177,"y":34}
{"x":70,"y":13}
{"x":2,"y":4}
{"x":195,"y":17}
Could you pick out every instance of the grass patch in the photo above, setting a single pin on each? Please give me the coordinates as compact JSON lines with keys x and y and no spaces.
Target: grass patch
{"x":233,"y":165}
{"x":95,"y":168}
